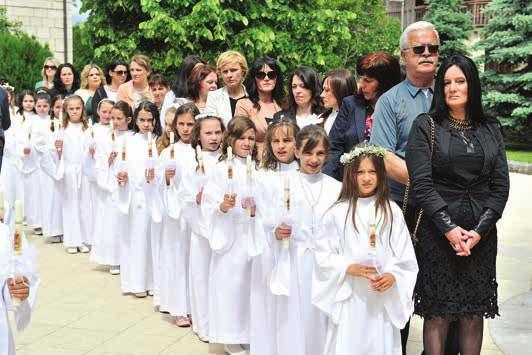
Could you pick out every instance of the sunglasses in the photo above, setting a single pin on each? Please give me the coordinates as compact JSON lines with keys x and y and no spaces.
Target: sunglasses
{"x":433,"y":48}
{"x":46,"y":67}
{"x":272,"y":75}
{"x":121,"y":72}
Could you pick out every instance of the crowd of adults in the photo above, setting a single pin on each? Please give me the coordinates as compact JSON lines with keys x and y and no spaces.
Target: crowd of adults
{"x":446,"y":161}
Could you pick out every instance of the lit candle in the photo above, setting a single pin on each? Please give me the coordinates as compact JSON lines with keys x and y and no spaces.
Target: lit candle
{"x":248,"y":169}
{"x":199,"y":156}
{"x":229,"y":162}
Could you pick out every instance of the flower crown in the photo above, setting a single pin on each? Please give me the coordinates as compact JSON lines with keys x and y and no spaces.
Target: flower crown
{"x":377,"y":151}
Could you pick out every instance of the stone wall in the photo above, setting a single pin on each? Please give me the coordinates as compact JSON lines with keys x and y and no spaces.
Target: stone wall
{"x":44,"y":20}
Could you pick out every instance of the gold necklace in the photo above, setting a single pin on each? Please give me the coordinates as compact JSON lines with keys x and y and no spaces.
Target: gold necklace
{"x":460,"y":125}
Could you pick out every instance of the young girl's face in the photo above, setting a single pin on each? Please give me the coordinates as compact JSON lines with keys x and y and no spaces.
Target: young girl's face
{"x":120,"y":120}
{"x":283,"y":145}
{"x":42,"y":107}
{"x":169,"y":123}
{"x":366,"y":178}
{"x":58,"y":107}
{"x":74,"y":110}
{"x":185,"y":123}
{"x":105,"y":112}
{"x":243,"y":146}
{"x":210,"y":134}
{"x":311,"y":162}
{"x":144,"y":121}
{"x":28,"y":103}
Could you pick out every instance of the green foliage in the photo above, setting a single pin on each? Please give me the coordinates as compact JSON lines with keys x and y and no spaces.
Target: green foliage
{"x":83,"y":49}
{"x":22,"y":55}
{"x":454,"y":26}
{"x":319,"y":33}
{"x":508,"y":54}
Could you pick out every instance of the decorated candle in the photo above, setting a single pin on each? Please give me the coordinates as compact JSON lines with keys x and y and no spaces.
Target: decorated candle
{"x":124,"y":150}
{"x":287,"y":193}
{"x":229,"y":162}
{"x":17,"y":243}
{"x":248,"y":169}
{"x":172,"y":138}
{"x":150,"y":146}
{"x":199,"y":156}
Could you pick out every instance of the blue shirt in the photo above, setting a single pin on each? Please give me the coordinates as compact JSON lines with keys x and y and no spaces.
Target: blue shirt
{"x":394,"y":114}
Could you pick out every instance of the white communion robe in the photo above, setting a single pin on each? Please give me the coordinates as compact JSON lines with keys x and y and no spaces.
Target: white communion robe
{"x":300,"y":326}
{"x":173,"y":243}
{"x":12,"y":178}
{"x":23,"y":310}
{"x":107,"y":229}
{"x":76,"y":207}
{"x":363,"y":321}
{"x":200,"y":250}
{"x":263,"y":334}
{"x":136,"y":264}
{"x":234,"y":238}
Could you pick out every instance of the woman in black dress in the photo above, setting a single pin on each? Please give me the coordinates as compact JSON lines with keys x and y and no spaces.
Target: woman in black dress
{"x":462,"y":188}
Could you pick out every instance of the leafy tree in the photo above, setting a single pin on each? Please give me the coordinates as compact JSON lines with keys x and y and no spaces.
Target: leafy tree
{"x":508,"y":55}
{"x":454,"y":26}
{"x":83,"y":49}
{"x":22,"y":55}
{"x":319,"y":33}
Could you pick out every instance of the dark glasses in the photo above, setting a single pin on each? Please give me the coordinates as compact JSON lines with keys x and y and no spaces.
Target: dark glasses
{"x":433,"y":48}
{"x":121,"y":72}
{"x":272,"y":75}
{"x":46,"y":67}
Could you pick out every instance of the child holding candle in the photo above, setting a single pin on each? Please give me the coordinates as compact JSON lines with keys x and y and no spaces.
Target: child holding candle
{"x":72,"y":150}
{"x":205,"y":139}
{"x":233,"y":229}
{"x":277,"y":161}
{"x":136,"y":179}
{"x":301,"y":327}
{"x":366,"y":266}
{"x":173,"y":262}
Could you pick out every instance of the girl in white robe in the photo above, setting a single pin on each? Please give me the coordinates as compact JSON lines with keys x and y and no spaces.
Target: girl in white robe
{"x":136,"y":178}
{"x":366,"y":267}
{"x":234,"y":229}
{"x":278,"y":160}
{"x":115,"y":120}
{"x":73,"y":148}
{"x":24,"y":290}
{"x":206,"y":138}
{"x":301,"y":327}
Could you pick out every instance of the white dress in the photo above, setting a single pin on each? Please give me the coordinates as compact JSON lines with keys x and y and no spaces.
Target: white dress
{"x":200,"y":250}
{"x":233,"y":239}
{"x":136,"y":264}
{"x":172,"y":257}
{"x":263,"y":335}
{"x":363,"y":321}
{"x":107,"y":231}
{"x":23,"y":310}
{"x":301,"y":327}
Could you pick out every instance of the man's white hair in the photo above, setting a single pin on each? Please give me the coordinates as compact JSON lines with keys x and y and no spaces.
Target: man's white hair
{"x":416,"y":26}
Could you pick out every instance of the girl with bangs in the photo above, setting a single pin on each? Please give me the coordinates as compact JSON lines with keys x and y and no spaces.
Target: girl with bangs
{"x":366,"y":266}
{"x":229,"y":205}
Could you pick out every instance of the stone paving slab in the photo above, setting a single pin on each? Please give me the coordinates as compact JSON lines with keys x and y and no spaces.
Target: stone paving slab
{"x":80,"y":308}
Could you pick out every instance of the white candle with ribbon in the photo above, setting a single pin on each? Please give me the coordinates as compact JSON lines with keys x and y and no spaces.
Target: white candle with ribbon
{"x":199,"y":157}
{"x":249,"y":169}
{"x":286,"y":190}
{"x":150,"y":145}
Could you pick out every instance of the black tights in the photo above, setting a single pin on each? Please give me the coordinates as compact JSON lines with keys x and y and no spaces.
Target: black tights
{"x":469,"y":329}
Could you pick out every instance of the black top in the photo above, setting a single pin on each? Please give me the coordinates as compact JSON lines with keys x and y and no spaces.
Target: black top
{"x":466,"y":155}
{"x":99,"y":95}
{"x":233,"y":104}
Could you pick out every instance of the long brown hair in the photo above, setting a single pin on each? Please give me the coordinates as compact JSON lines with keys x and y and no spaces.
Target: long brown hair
{"x":196,"y":130}
{"x":269,"y":161}
{"x":66,"y":117}
{"x":350,"y":193}
{"x":235,"y":129}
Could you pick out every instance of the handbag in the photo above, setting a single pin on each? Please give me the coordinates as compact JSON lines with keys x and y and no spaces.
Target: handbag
{"x":407,"y":188}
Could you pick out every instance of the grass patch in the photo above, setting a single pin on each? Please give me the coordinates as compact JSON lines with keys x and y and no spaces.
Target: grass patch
{"x":517,"y":155}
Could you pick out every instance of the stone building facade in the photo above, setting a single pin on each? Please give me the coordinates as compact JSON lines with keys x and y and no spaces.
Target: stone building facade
{"x":50,"y":21}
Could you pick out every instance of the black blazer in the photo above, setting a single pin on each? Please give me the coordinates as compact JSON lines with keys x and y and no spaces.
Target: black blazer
{"x":346,"y":132}
{"x":433,"y":184}
{"x":99,"y":95}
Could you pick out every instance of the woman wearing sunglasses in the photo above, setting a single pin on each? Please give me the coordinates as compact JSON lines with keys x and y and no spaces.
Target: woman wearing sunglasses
{"x":116,"y":75}
{"x":48,"y":72}
{"x":264,"y":85}
{"x":303,"y":99}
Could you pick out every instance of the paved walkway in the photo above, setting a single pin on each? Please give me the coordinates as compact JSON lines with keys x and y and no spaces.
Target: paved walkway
{"x":81,"y":310}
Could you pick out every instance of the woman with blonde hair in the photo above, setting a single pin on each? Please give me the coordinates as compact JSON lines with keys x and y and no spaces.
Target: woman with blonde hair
{"x":232,"y":67}
{"x":92,"y":78}
{"x":137,"y":89}
{"x":48,"y":72}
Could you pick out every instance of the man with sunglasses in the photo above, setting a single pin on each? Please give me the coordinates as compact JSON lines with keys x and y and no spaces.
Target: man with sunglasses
{"x":397,"y":109}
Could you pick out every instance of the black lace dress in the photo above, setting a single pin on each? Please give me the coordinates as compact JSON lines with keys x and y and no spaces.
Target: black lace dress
{"x":448,"y":285}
